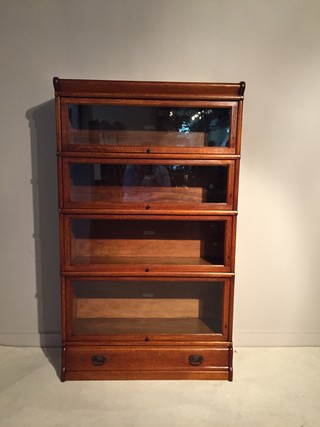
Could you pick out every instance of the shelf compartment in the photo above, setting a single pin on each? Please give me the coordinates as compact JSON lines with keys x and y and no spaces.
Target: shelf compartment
{"x":151,"y":125}
{"x":103,"y":307}
{"x":148,"y":185}
{"x":135,"y":244}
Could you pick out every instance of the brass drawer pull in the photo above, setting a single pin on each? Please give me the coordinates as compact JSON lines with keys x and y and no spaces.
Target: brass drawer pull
{"x":195,"y":360}
{"x":98,"y":360}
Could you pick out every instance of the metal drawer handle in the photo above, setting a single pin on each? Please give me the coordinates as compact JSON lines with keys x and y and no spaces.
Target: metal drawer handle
{"x":98,"y":360}
{"x":195,"y":360}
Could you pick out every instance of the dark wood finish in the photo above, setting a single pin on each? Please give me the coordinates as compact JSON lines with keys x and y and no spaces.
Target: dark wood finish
{"x":147,"y":90}
{"x":147,"y":278}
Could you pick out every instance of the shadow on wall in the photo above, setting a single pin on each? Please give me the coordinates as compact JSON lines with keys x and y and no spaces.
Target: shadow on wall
{"x":46,"y":225}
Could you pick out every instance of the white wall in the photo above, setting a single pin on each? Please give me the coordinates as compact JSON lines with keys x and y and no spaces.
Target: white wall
{"x":273,"y":45}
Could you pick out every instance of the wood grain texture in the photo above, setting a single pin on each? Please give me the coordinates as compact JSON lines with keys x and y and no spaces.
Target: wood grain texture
{"x":217,"y":375}
{"x":147,"y":90}
{"x":156,"y":237}
{"x":152,"y":358}
{"x":148,"y":325}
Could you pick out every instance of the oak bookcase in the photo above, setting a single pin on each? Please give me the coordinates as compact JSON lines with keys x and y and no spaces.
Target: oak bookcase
{"x":148,"y":186}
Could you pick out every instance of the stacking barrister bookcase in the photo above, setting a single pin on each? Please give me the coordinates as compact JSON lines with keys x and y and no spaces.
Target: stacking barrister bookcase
{"x":148,"y":188}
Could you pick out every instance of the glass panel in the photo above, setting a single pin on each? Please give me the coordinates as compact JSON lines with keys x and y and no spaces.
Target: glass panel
{"x":146,"y":183}
{"x":149,"y":126}
{"x":97,"y":241}
{"x":161,"y":307}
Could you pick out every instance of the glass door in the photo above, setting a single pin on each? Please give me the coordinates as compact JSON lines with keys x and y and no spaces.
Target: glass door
{"x":149,"y":185}
{"x":147,"y":310}
{"x":149,"y":126}
{"x":148,"y":244}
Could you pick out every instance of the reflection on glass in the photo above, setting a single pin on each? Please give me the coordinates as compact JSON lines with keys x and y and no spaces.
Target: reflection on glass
{"x":146,"y":176}
{"x":148,"y":183}
{"x":104,"y":241}
{"x":179,"y":307}
{"x":149,"y":126}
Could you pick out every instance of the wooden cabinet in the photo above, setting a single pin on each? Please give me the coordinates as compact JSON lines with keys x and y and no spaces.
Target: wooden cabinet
{"x":148,"y":188}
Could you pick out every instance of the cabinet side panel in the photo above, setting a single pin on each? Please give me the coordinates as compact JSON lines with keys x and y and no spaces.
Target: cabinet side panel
{"x":230,"y":313}
{"x":63,"y":309}
{"x":233,"y":243}
{"x":239,"y":127}
{"x":58,"y":122}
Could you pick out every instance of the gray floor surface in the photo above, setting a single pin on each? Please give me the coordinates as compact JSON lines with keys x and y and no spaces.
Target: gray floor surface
{"x":277,"y":387}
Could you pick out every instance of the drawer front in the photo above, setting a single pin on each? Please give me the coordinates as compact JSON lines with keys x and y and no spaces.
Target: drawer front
{"x":135,"y":358}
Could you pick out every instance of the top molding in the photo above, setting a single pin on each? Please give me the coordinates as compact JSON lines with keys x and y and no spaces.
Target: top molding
{"x":148,"y":90}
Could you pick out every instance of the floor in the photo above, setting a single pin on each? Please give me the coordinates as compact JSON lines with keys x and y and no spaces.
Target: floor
{"x":277,"y":387}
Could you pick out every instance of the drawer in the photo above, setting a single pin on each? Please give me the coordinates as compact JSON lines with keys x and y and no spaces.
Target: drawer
{"x":137,"y":358}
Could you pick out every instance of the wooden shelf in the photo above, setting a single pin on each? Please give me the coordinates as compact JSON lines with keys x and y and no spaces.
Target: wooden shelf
{"x":92,"y":260}
{"x":145,"y":326}
{"x":137,"y":138}
{"x":92,"y":194}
